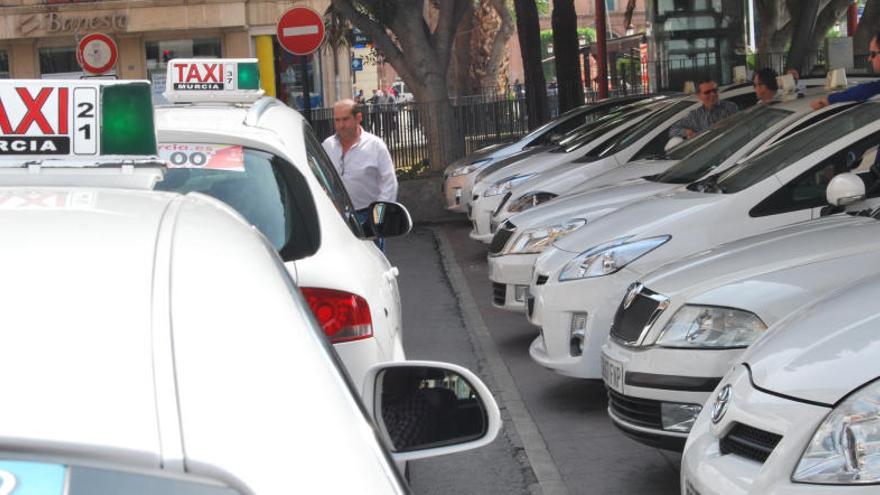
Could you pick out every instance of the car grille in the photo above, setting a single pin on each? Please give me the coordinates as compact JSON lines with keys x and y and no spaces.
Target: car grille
{"x":501,"y":237}
{"x":639,"y":412}
{"x":638,"y":311}
{"x":499,"y":293}
{"x":542,"y":279}
{"x":749,"y":442}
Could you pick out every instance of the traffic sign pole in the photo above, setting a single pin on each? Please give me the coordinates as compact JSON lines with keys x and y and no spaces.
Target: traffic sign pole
{"x":307,"y":100}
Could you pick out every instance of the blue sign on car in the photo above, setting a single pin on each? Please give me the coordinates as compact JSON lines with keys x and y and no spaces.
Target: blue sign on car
{"x":31,"y":478}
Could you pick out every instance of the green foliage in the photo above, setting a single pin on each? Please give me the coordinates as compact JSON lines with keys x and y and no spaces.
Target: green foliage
{"x":547,"y":40}
{"x":543,"y":7}
{"x":413,"y":171}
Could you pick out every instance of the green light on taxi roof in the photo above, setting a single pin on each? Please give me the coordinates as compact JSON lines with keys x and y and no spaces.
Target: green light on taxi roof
{"x":248,"y":76}
{"x":127,"y":120}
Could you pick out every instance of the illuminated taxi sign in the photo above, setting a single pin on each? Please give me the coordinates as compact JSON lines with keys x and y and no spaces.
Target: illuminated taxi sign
{"x":234,"y":80}
{"x":76,"y":118}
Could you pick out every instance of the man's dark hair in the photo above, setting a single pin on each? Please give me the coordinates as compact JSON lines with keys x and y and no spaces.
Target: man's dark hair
{"x":767,"y":77}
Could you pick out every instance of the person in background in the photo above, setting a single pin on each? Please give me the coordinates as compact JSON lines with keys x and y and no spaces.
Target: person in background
{"x":712,"y":110}
{"x":765,"y":85}
{"x":362,"y":160}
{"x":861,"y":92}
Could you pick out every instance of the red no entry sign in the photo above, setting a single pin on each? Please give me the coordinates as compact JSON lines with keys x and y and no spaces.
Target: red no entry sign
{"x":300,"y":30}
{"x":96,"y":53}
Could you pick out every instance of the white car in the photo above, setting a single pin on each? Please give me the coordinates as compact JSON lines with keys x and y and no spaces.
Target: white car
{"x":579,"y":283}
{"x":459,"y":176}
{"x":240,"y":152}
{"x":715,"y":305}
{"x":518,"y":241}
{"x":146,"y":362}
{"x":800,"y":414}
{"x":492,"y":186}
{"x":648,"y":137}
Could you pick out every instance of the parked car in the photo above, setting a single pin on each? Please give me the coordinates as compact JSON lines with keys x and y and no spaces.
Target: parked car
{"x":492,"y":186}
{"x":459,"y":176}
{"x":648,"y":137}
{"x":579,"y":283}
{"x":518,"y":242}
{"x":715,"y":305}
{"x":243,"y":153}
{"x":798,"y":413}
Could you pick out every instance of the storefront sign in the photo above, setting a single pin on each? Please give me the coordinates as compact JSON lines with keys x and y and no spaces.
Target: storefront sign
{"x":54,"y":22}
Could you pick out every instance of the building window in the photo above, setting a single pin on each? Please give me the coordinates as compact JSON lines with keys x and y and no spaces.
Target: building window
{"x":609,"y":5}
{"x":288,"y":69}
{"x":160,"y":52}
{"x":4,"y":65}
{"x":59,"y":61}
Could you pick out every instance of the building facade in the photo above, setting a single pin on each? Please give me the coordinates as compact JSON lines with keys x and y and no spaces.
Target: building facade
{"x":38,"y":39}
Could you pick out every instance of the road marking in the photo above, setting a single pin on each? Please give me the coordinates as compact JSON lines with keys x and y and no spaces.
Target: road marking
{"x":299,"y":31}
{"x":539,"y":458}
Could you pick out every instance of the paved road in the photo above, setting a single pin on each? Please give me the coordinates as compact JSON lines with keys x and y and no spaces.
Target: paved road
{"x":570,"y":445}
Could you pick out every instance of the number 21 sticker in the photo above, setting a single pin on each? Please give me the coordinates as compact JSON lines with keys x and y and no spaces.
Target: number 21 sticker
{"x":85,"y":121}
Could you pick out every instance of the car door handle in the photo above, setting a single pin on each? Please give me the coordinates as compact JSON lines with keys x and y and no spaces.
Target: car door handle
{"x":391,"y":274}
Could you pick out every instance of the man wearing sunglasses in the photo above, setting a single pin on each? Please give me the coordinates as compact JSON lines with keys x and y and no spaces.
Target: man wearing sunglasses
{"x":861,"y":92}
{"x":700,"y":119}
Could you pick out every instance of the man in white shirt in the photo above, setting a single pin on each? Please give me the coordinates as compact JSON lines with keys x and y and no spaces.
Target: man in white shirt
{"x":362,"y":160}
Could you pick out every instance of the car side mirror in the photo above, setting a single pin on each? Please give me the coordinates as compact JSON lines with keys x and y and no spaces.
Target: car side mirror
{"x":426,"y":409}
{"x":387,"y":219}
{"x":845,"y":189}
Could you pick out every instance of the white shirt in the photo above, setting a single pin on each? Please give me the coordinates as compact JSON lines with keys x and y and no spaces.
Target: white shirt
{"x":366,"y":169}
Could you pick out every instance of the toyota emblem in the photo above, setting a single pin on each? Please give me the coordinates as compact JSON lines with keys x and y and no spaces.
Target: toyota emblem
{"x":722,"y":400}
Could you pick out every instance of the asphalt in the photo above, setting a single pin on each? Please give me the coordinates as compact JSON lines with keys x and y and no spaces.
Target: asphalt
{"x":557,"y":438}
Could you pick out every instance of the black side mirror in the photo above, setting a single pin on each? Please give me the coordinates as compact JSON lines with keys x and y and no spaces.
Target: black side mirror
{"x":387,"y":219}
{"x":423,"y":407}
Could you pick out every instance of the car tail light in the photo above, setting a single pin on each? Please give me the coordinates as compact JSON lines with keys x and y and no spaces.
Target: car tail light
{"x":343,"y":316}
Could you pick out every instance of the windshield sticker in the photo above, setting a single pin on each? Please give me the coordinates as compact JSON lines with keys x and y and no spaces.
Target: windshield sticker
{"x":31,"y":478}
{"x":38,"y":200}
{"x":205,"y":156}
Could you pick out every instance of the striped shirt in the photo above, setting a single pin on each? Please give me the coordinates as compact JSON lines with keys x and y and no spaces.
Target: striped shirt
{"x":700,"y":119}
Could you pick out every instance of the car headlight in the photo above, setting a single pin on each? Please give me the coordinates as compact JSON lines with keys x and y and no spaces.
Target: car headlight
{"x":505,"y":185}
{"x":695,"y":326}
{"x":469,"y":168}
{"x":535,"y":240}
{"x":529,"y":200}
{"x":608,"y":258}
{"x":845,"y":449}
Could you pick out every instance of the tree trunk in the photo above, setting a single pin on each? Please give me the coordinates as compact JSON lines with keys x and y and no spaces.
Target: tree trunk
{"x":804,"y":16}
{"x":498,"y":48}
{"x":529,"y":34}
{"x":869,"y":24}
{"x":461,"y":62}
{"x":565,"y":48}
{"x":833,"y":11}
{"x":441,"y":126}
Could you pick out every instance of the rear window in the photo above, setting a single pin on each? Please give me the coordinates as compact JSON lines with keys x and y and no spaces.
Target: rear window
{"x":257,"y":184}
{"x":799,"y":145}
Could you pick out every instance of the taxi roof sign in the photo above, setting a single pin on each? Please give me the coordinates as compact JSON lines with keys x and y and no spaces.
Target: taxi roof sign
{"x":79,"y":119}
{"x":230,"y":80}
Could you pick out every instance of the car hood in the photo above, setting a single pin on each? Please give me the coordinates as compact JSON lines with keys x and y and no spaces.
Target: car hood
{"x":825,"y":352}
{"x":648,"y":216}
{"x":494,"y":152}
{"x":810,"y":242}
{"x":635,"y":170}
{"x":590,"y":205}
{"x":493,"y":172}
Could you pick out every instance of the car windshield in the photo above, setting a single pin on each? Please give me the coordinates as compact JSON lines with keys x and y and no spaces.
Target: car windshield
{"x":251,"y":182}
{"x":711,"y":148}
{"x":793,"y":148}
{"x":607,"y":124}
{"x":638,"y":131}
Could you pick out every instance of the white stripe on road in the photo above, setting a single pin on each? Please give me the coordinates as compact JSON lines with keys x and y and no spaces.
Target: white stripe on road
{"x":542,"y":463}
{"x":299,"y":31}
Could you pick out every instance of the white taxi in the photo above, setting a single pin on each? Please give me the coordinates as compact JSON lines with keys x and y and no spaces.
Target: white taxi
{"x":493,"y":185}
{"x":146,"y":362}
{"x":579,"y":283}
{"x":518,"y":241}
{"x":800,"y":414}
{"x":239,"y":146}
{"x":459,"y":176}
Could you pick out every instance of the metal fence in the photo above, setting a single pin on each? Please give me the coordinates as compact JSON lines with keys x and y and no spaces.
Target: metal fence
{"x":483,"y":120}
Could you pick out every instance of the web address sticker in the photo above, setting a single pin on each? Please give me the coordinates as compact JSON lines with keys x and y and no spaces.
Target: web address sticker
{"x":205,"y":156}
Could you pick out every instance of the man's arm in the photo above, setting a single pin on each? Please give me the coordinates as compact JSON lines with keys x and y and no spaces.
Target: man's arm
{"x":681,"y":128}
{"x":387,"y":175}
{"x":859,"y":93}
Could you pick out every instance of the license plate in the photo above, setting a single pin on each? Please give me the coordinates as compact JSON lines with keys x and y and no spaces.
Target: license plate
{"x":612,"y":374}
